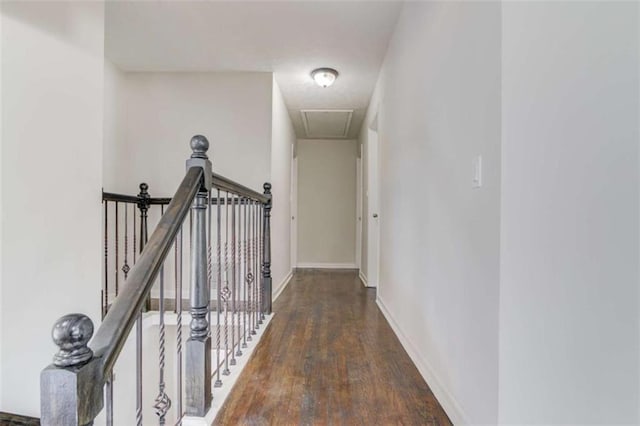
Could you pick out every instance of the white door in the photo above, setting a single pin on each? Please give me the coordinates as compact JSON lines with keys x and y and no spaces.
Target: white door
{"x":373,"y":220}
{"x":294,"y":208}
{"x":359,"y":211}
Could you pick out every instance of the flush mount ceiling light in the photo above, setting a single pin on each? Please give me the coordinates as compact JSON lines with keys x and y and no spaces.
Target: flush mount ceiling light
{"x":324,"y":77}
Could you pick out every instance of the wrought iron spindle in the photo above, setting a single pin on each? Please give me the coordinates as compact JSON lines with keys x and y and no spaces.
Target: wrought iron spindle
{"x":116,"y":238}
{"x":250,"y":269}
{"x":105,"y":290}
{"x":125,"y":266}
{"x":261,"y":262}
{"x":224,"y":293}
{"x":178,"y":305}
{"x":139,"y":370}
{"x":233,"y":279}
{"x":134,"y":237}
{"x":162,"y":401}
{"x":237,"y":281}
{"x":256,"y":300}
{"x":108,"y":396}
{"x":244,"y":273}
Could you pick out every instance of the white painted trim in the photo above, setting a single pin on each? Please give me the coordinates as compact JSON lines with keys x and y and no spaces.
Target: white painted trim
{"x":326,"y":265}
{"x":363,"y":278}
{"x":282,"y":286}
{"x":444,"y":397}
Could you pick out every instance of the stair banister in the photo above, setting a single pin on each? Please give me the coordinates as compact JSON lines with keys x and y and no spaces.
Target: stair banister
{"x":71,"y":389}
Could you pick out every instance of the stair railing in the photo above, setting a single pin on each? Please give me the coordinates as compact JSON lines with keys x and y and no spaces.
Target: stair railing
{"x":79,"y":383}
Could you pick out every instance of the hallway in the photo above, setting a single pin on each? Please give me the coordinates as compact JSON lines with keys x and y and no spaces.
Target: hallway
{"x":329,"y":357}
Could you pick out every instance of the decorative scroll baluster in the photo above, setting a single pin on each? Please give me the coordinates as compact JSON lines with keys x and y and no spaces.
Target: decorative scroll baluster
{"x":139,"y":370}
{"x":244,"y":273}
{"x":125,"y":266}
{"x":162,"y":401}
{"x":233,"y":279}
{"x":255,"y":267}
{"x":266,"y":250}
{"x":224,"y":293}
{"x":198,"y":346}
{"x":134,"y":237}
{"x":218,"y":382}
{"x":237,"y":238}
{"x":105,"y":290}
{"x":116,"y":238}
{"x":178,"y":303}
{"x":261,"y":261}
{"x":250,"y":277}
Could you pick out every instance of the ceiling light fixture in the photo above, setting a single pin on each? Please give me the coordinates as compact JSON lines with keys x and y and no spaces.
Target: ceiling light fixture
{"x":324,"y":77}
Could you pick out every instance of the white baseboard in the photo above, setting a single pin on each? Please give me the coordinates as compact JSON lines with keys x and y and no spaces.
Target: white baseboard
{"x":326,"y":265}
{"x":363,"y":278}
{"x":444,"y":397}
{"x":282,"y":286}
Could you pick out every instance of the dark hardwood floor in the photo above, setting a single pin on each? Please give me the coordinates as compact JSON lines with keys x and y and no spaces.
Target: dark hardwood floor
{"x":329,"y":357}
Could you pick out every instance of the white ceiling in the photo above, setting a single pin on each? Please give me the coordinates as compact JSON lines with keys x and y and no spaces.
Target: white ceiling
{"x":287,"y":38}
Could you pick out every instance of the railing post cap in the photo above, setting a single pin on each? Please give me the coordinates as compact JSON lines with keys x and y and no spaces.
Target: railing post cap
{"x":144,"y":187}
{"x":71,"y":333}
{"x":199,"y":146}
{"x":267,"y":188}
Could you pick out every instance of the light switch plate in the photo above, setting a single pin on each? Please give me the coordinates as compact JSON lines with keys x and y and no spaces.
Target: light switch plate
{"x":476,"y":181}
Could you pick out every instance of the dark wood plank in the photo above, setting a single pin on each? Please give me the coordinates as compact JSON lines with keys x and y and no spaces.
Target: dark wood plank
{"x":8,"y":419}
{"x":330,"y":357}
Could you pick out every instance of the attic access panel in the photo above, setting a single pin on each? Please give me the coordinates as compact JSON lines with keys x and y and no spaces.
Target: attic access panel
{"x":326,"y":123}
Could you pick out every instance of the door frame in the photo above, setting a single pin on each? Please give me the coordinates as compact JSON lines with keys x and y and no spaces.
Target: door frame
{"x":359,"y":206}
{"x":293,"y":199}
{"x":373,"y":204}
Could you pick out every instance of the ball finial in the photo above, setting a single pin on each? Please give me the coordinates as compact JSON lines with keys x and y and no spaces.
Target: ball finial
{"x":199,"y":146}
{"x":267,"y":188}
{"x":72,"y":334}
{"x":143,"y":187}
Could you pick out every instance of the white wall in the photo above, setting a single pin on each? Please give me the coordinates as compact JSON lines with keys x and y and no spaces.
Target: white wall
{"x":163,"y":112}
{"x":326,"y":202}
{"x":282,"y":140}
{"x":52,"y":111}
{"x":569,"y":235}
{"x":439,"y":106}
{"x":115,"y":135}
{"x":1,"y":206}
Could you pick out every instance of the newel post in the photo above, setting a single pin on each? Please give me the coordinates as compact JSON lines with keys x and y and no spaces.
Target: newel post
{"x":71,"y":387}
{"x":198,"y":346}
{"x":143,"y":206}
{"x":266,"y":247}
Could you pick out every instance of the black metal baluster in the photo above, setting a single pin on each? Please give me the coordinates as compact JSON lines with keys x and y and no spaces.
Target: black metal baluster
{"x":261,"y":260}
{"x":245,"y":275}
{"x":233,"y":279}
{"x":237,"y":270}
{"x":224,"y":293}
{"x":249,"y":268}
{"x":178,"y":303}
{"x":116,"y":238}
{"x":105,"y":291}
{"x":125,"y":266}
{"x":162,"y":402}
{"x":218,"y":382}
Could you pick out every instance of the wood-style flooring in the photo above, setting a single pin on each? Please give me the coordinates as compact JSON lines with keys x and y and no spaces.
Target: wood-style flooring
{"x":329,"y":357}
